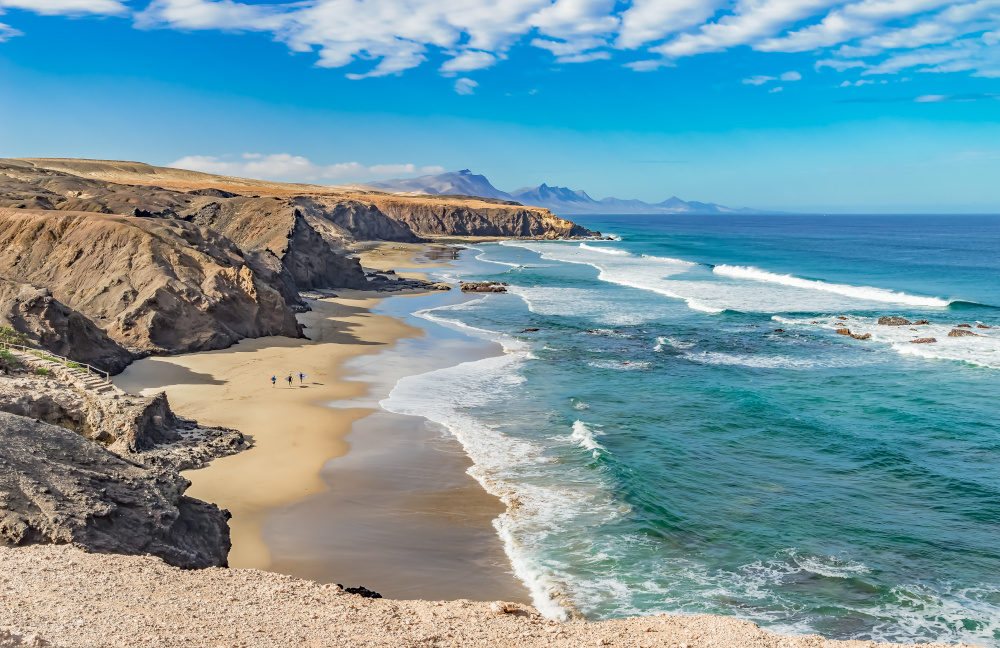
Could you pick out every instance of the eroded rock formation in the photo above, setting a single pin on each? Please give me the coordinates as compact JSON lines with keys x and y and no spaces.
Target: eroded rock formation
{"x":58,"y":487}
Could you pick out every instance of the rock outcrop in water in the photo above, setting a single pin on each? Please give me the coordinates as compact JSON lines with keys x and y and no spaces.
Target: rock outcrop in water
{"x":894,"y":321}
{"x":484,"y":287}
{"x":960,"y":332}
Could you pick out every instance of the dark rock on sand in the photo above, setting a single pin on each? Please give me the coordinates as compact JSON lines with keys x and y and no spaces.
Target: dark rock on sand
{"x":923,"y":340}
{"x":894,"y":321}
{"x":360,"y":590}
{"x":957,"y":332}
{"x":57,"y":487}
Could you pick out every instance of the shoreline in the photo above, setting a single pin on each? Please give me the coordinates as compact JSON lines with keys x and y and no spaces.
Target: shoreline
{"x":304,"y":501}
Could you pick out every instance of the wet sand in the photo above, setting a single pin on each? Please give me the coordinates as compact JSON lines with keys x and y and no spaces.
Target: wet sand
{"x":402,"y":494}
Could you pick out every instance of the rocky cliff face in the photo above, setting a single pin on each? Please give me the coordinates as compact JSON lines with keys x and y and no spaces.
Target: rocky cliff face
{"x":154,"y":285}
{"x":57,"y":487}
{"x":441,"y":217}
{"x":50,"y":324}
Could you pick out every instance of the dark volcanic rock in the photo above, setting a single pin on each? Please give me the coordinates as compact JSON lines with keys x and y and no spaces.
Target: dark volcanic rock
{"x":894,"y":321}
{"x":484,"y":287}
{"x":57,"y":487}
{"x":360,"y":590}
{"x":52,"y":325}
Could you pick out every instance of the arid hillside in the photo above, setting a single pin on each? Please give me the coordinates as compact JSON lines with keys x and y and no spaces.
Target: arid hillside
{"x":136,"y":259}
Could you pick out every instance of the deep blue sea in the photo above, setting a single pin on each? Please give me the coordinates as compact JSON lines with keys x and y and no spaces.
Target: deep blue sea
{"x":687,"y":432}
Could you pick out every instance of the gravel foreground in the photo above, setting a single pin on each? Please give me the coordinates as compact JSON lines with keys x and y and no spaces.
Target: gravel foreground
{"x":62,"y":597}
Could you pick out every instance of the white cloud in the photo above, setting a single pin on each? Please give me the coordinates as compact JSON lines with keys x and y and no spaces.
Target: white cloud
{"x":762,"y":79}
{"x":931,"y":98}
{"x":67,"y":7}
{"x":751,"y":21}
{"x":652,"y":20}
{"x":776,"y":89}
{"x":377,"y":38}
{"x":469,"y":60}
{"x":287,"y":167}
{"x":465,"y":86}
{"x":7,"y":32}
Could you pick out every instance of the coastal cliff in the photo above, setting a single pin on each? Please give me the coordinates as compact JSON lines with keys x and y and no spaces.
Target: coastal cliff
{"x":153,"y":285}
{"x":169,"y":261}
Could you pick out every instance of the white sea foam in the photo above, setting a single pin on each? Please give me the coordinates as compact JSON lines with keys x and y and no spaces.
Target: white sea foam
{"x":866,"y":293}
{"x":727,"y":287}
{"x":583,"y":436}
{"x":605,"y":250}
{"x":662,"y":342}
{"x":515,"y":470}
{"x":620,"y":365}
{"x":762,"y":361}
{"x":597,"y":305}
{"x":981,"y":349}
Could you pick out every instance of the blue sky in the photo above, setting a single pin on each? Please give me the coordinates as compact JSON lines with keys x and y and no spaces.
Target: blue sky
{"x":816,"y":105}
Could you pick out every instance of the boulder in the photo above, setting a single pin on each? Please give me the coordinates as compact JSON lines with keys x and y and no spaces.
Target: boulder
{"x":894,"y":321}
{"x":920,"y":322}
{"x":957,"y":332}
{"x":859,"y":336}
{"x":983,"y":326}
{"x":923,"y":340}
{"x":843,"y":331}
{"x":964,"y":325}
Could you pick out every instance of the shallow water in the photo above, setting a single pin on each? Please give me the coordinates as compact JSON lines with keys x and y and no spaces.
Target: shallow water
{"x":661,"y":448}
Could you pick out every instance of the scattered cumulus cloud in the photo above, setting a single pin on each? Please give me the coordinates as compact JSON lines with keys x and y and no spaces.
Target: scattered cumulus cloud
{"x":67,"y":7}
{"x":776,"y":89}
{"x":287,"y":167}
{"x":763,"y":79}
{"x":378,"y":38}
{"x":465,"y":86}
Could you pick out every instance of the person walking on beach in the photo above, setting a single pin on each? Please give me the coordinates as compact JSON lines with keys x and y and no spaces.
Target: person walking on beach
{"x":274,"y":379}
{"x":289,"y":380}
{"x":302,"y":377}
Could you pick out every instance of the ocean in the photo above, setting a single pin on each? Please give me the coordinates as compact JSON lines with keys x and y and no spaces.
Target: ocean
{"x":687,"y":432}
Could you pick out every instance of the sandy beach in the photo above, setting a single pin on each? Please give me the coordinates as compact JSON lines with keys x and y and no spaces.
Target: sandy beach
{"x":357,"y":515}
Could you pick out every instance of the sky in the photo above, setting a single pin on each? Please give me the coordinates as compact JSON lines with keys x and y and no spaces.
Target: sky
{"x":797,"y":105}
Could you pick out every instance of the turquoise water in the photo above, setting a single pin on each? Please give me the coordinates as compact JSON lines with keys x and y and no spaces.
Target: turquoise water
{"x":661,"y":448}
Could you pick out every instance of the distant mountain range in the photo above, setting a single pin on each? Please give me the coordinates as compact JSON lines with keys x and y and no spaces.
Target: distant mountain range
{"x":558,"y":199}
